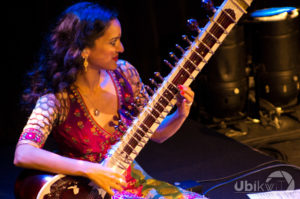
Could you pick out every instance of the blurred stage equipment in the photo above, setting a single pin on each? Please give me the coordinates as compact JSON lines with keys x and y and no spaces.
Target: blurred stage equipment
{"x":275,"y":51}
{"x":225,"y":81}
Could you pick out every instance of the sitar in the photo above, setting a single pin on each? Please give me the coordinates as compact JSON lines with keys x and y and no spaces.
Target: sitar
{"x":123,"y":153}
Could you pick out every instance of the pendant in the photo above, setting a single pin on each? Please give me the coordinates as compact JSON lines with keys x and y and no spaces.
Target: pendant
{"x":96,"y":112}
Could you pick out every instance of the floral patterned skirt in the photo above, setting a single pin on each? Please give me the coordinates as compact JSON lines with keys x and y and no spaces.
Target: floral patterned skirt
{"x":142,"y":185}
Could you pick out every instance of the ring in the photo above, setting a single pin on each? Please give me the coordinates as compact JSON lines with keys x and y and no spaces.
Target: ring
{"x":121,"y":180}
{"x":189,"y":104}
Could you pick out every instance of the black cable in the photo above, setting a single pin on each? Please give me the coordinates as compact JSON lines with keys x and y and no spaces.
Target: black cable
{"x":250,"y":173}
{"x":238,"y":173}
{"x":276,"y":153}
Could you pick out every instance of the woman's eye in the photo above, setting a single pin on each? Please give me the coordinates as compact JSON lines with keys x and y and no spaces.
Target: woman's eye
{"x":113,"y":43}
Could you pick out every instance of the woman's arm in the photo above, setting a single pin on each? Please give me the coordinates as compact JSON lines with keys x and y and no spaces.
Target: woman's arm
{"x":50,"y":109}
{"x":172,"y":123}
{"x":28,"y":156}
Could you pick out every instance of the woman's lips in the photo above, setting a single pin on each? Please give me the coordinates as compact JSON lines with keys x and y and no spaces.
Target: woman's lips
{"x":116,"y":58}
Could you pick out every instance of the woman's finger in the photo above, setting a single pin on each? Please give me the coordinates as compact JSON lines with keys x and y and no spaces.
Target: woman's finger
{"x":117,"y":187}
{"x":187,"y":93}
{"x":120,"y":179}
{"x":108,"y":189}
{"x":185,"y":90}
{"x":109,"y":184}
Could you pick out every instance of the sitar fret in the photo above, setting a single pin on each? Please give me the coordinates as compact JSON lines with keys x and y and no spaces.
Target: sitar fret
{"x":143,"y":128}
{"x":217,"y":30}
{"x":212,"y":35}
{"x":181,"y":77}
{"x":197,"y":54}
{"x":201,"y":50}
{"x":190,"y":64}
{"x":172,"y":88}
{"x":118,"y":163}
{"x":155,"y":113}
{"x":219,"y":26}
{"x":139,"y":134}
{"x":186,"y":61}
{"x":137,"y":138}
{"x":206,"y":45}
{"x":195,"y":58}
{"x":241,"y":5}
{"x":183,"y":73}
{"x":168,"y":95}
{"x":128,"y":150}
{"x":209,"y":41}
{"x":133,"y":143}
{"x":159,"y":107}
{"x":149,"y":113}
{"x":230,"y":16}
{"x":149,"y":121}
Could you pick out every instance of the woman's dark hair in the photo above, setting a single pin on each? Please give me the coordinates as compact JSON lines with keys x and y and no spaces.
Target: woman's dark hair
{"x":78,"y":27}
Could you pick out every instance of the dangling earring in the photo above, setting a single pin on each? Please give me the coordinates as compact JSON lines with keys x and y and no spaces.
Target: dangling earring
{"x":85,"y":64}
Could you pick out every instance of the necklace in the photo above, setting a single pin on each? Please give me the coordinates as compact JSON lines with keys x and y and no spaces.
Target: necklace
{"x":95,"y":110}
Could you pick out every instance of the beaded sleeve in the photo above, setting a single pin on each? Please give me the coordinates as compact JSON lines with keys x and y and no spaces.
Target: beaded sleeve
{"x":50,"y":110}
{"x":141,"y":96}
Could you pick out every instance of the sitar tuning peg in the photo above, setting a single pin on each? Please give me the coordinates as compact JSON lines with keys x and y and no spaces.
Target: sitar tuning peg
{"x":121,"y":123}
{"x":180,"y":48}
{"x":116,"y":126}
{"x":168,"y":63}
{"x":172,"y":55}
{"x":154,"y":82}
{"x":142,"y":95}
{"x":158,"y":75}
{"x":193,"y":25}
{"x":209,"y":7}
{"x":149,"y":90}
{"x":185,"y":38}
{"x":138,"y":109}
{"x":115,"y":118}
{"x":127,"y":113}
{"x":138,"y":100}
{"x":112,"y":124}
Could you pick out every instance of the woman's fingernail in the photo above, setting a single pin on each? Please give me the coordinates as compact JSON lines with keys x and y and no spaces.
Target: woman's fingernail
{"x":181,"y":92}
{"x":180,"y":87}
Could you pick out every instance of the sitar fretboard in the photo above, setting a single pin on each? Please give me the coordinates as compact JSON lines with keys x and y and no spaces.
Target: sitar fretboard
{"x":187,"y":68}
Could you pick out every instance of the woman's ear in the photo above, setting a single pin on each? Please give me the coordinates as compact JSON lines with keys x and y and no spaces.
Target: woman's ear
{"x":85,"y":53}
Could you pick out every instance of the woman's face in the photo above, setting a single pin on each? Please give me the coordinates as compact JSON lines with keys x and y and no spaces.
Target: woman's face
{"x":105,"y":52}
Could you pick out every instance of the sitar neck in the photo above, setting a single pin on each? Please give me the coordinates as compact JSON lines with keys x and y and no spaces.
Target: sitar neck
{"x":186,"y":69}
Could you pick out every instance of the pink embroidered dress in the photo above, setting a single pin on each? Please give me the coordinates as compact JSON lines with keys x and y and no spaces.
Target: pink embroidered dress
{"x":79,"y":136}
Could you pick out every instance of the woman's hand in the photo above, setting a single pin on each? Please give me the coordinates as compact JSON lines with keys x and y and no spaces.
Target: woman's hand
{"x":28,"y":156}
{"x":106,"y":178}
{"x":185,"y":100}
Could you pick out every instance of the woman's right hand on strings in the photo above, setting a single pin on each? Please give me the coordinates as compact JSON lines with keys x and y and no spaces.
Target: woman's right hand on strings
{"x":106,"y":178}
{"x":28,"y":156}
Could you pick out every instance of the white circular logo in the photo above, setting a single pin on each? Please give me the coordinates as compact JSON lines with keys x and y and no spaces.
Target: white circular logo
{"x":282,"y":175}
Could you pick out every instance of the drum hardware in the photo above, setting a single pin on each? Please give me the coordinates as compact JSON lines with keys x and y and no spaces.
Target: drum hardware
{"x":223,"y":85}
{"x":270,"y":115}
{"x":275,"y":52}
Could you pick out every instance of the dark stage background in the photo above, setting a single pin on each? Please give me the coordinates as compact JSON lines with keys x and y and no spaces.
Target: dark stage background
{"x":151,"y":28}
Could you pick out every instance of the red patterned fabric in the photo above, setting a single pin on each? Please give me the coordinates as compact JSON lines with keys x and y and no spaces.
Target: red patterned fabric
{"x":79,"y":136}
